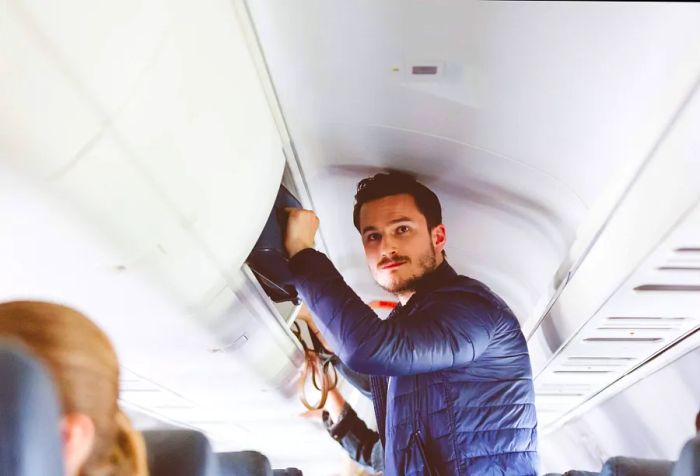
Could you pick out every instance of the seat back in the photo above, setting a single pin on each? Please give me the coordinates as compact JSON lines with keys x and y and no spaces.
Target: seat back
{"x":244,"y":463}
{"x":179,"y":453}
{"x":30,"y":442}
{"x":625,"y":466}
{"x":287,"y":472}
{"x":689,"y":461}
{"x":574,"y":472}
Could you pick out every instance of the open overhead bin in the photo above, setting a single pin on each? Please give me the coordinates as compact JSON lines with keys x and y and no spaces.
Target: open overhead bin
{"x":140,"y":156}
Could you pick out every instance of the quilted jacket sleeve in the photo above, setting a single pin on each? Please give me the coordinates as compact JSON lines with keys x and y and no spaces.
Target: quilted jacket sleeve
{"x":448,"y":331}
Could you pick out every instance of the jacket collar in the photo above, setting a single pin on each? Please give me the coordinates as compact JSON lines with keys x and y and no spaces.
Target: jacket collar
{"x":436,"y":278}
{"x":432,"y":280}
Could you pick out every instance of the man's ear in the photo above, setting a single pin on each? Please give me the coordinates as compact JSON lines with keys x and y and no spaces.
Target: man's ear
{"x":78,"y":435}
{"x":439,"y":237}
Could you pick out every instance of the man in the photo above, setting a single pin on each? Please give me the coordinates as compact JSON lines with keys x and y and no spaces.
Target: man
{"x":451,"y":378}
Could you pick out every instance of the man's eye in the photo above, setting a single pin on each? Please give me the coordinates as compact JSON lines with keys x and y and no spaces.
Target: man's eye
{"x":402,"y":229}
{"x":373,"y":237}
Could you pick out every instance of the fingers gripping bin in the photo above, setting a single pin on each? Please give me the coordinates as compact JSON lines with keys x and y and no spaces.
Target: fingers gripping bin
{"x":269,"y":260}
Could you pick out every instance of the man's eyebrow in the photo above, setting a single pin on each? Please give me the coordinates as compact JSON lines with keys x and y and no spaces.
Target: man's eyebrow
{"x":398,"y":220}
{"x":392,"y":222}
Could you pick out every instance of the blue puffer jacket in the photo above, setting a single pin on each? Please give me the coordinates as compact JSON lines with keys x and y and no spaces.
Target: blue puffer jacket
{"x":452,"y":383}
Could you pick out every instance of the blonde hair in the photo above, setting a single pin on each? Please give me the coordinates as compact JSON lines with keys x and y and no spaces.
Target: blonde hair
{"x":85,"y":370}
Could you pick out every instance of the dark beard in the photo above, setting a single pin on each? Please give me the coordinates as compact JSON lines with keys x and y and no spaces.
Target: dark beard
{"x":427,"y":263}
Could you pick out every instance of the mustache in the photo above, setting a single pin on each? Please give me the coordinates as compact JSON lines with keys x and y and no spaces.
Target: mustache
{"x":396,"y":259}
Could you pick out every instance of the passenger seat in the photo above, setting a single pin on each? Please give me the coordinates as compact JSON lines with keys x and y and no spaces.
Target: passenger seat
{"x":625,"y":466}
{"x":688,"y":464}
{"x":689,"y":461}
{"x":287,"y":472}
{"x":179,"y":453}
{"x":30,"y":443}
{"x":574,"y":472}
{"x":244,"y":463}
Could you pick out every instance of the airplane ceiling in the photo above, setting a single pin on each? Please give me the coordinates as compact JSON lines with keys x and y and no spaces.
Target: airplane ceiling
{"x":534,"y":111}
{"x":130,"y":131}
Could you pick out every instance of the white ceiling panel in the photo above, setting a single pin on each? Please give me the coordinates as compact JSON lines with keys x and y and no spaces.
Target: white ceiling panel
{"x":535,"y":108}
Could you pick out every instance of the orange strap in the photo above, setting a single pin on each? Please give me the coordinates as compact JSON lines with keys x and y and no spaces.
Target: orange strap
{"x":323,"y":377}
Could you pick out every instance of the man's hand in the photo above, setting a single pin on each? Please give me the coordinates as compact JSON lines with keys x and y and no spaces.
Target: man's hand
{"x":335,"y":404}
{"x":301,"y":230}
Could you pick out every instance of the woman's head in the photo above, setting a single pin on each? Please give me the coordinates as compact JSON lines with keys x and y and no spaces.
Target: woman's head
{"x":97,"y":437}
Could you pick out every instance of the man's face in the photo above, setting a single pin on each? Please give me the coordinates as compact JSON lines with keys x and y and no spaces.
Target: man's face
{"x":398,"y":245}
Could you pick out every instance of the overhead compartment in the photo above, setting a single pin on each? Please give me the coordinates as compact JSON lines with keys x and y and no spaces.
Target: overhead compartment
{"x":140,"y":156}
{"x":634,"y":292}
{"x":180,"y":159}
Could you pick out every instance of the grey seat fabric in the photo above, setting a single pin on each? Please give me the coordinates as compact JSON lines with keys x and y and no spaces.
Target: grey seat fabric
{"x":689,"y":461}
{"x":179,"y":453}
{"x":244,"y":463}
{"x":574,"y":472}
{"x":625,"y":466}
{"x":287,"y":472}
{"x":30,"y":442}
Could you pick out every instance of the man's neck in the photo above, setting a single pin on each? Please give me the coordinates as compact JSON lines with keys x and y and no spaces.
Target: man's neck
{"x":404,"y":296}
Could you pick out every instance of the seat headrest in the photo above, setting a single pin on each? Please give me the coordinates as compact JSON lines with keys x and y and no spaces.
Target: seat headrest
{"x":574,"y":472}
{"x":179,"y":453}
{"x":29,"y":417}
{"x":287,"y":472}
{"x":689,"y":461}
{"x":244,"y":463}
{"x":625,"y":466}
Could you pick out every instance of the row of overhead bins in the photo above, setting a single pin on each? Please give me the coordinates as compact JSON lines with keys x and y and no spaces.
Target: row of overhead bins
{"x":636,"y":292}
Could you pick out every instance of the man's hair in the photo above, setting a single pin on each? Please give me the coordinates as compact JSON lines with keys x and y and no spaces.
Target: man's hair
{"x":394,"y":183}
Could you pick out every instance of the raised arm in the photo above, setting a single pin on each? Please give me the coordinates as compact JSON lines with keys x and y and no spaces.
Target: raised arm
{"x":449,"y":332}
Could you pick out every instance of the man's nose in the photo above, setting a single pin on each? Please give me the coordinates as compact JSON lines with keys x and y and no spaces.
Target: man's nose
{"x":388,"y":246}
